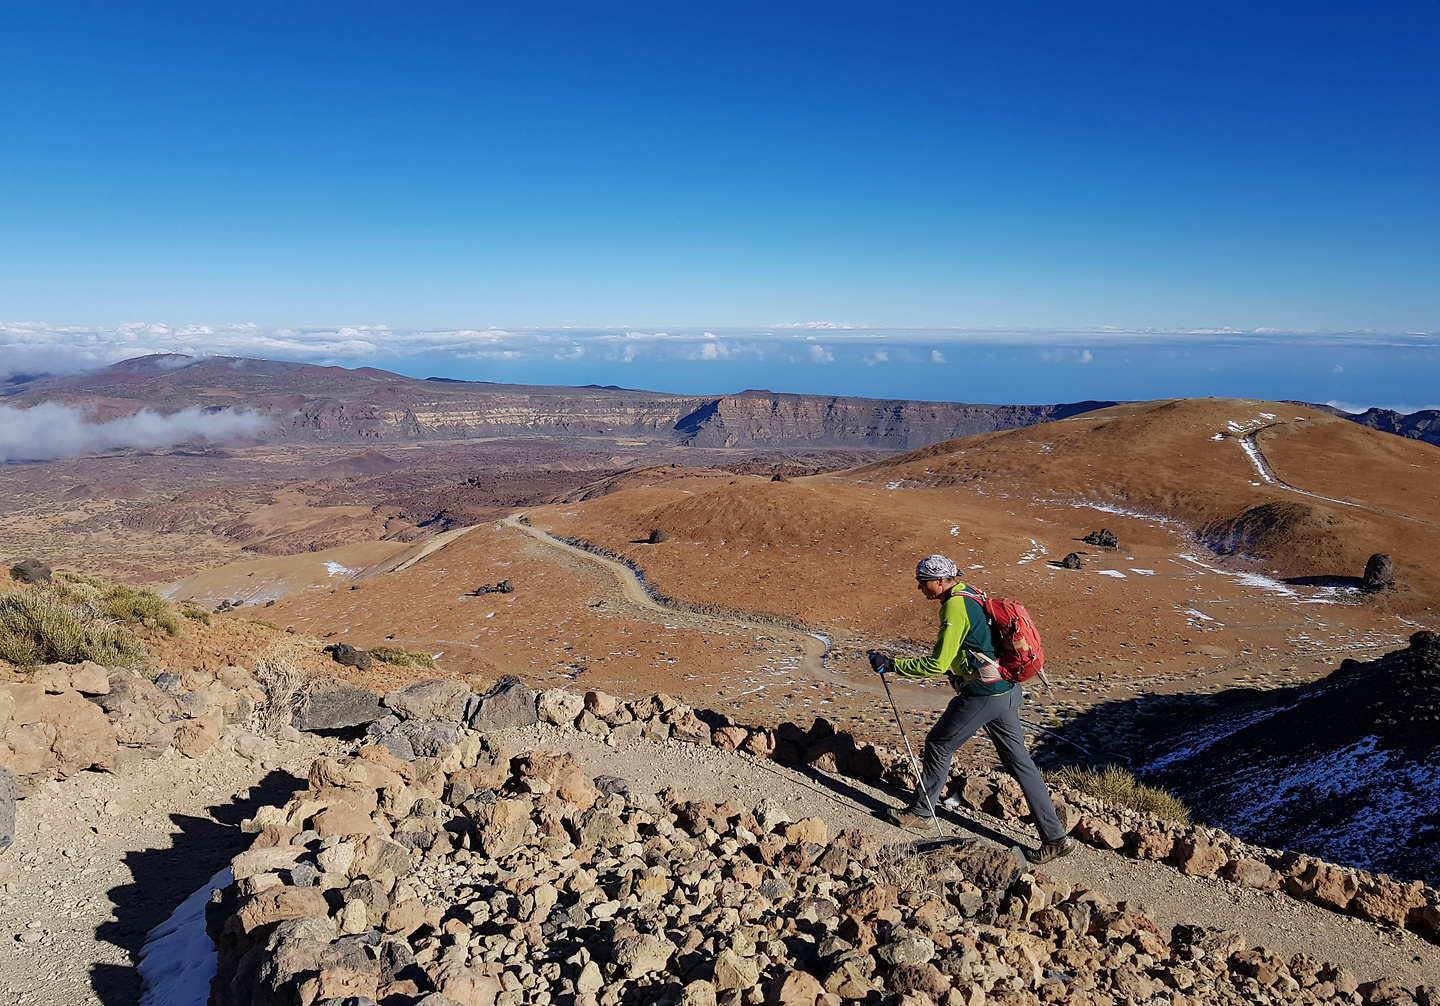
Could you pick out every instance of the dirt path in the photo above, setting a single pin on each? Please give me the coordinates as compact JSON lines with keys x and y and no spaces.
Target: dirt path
{"x":1251,"y":446}
{"x":812,"y":648}
{"x":99,"y":860}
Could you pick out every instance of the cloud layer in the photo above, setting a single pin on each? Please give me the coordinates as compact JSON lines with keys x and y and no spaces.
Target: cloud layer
{"x":50,"y":432}
{"x":35,"y":348}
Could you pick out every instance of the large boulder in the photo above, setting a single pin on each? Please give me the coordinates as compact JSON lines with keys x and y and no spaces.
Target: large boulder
{"x":431,"y":699}
{"x":335,"y":705}
{"x":510,"y":704}
{"x":1379,"y":572}
{"x":142,"y":715}
{"x":55,"y":736}
{"x":30,"y":571}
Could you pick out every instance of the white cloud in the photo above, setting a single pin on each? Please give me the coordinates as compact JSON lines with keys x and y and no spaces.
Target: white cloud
{"x":936,"y":356}
{"x":1399,"y":407}
{"x":1085,"y":357}
{"x":819,"y":354}
{"x":879,"y":356}
{"x":50,"y":431}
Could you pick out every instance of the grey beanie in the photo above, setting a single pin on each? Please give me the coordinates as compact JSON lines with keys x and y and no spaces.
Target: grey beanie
{"x":935,"y":567}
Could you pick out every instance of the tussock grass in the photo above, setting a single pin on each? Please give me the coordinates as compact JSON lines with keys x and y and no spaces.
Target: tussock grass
{"x":402,"y":658}
{"x":41,"y":627}
{"x":119,"y":601}
{"x":198,"y":614}
{"x":280,"y":671}
{"x":263,"y":624}
{"x":1119,"y":786}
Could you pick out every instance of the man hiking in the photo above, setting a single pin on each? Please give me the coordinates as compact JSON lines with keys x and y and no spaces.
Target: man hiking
{"x":965,"y":652}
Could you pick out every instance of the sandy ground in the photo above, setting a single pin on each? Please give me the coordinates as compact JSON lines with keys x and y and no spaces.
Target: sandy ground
{"x":99,"y":860}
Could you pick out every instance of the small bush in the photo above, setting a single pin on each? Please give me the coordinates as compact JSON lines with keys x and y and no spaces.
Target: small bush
{"x":1119,"y":786}
{"x":402,"y":658}
{"x":39,"y":627}
{"x":119,"y":601}
{"x":263,"y":623}
{"x":198,"y":614}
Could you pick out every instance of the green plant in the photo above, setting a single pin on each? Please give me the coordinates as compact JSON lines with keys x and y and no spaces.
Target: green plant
{"x":402,"y":658}
{"x":1119,"y":786}
{"x":119,"y":601}
{"x":40,"y":627}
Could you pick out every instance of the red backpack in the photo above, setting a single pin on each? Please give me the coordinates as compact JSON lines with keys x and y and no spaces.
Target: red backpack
{"x":1016,"y":638}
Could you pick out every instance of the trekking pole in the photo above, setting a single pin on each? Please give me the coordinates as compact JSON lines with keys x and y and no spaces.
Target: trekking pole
{"x":914,"y":765}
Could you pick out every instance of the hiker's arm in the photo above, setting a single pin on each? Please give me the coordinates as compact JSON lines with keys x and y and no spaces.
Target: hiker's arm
{"x":954,"y":627}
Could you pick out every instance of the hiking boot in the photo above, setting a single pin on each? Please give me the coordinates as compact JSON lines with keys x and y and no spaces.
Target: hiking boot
{"x":1052,"y":851}
{"x":909,"y":819}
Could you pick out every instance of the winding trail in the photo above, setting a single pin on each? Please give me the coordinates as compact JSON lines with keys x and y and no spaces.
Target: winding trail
{"x":812,"y":649}
{"x":1251,"y":446}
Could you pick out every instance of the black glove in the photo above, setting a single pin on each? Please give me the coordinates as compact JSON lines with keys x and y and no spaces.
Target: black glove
{"x":880,"y":663}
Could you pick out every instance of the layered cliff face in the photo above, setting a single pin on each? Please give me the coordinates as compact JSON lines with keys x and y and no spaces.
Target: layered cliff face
{"x":761,"y":418}
{"x":333,"y":404}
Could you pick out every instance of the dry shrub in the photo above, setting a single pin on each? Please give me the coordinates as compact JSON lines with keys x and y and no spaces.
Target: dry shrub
{"x":40,"y":627}
{"x":198,"y":614}
{"x":119,"y":601}
{"x":914,"y":871}
{"x":280,"y":670}
{"x":402,"y":658}
{"x":1116,"y":785}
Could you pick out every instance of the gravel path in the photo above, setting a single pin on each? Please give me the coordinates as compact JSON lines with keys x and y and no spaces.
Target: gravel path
{"x":99,"y":860}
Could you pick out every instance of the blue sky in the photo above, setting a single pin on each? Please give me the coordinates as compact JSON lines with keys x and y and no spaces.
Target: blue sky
{"x":1015,"y":186}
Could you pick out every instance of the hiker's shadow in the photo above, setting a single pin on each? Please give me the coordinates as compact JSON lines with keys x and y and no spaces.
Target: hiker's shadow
{"x":880,"y":808}
{"x":162,"y":878}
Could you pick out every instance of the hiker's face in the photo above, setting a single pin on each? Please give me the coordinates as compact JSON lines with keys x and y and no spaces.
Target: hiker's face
{"x":935,"y":589}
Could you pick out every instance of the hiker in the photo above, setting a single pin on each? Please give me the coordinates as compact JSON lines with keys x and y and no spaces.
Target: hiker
{"x":965,"y":652}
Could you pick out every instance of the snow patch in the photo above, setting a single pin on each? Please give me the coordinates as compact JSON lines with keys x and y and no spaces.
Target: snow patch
{"x":1111,"y":572}
{"x":335,"y":569}
{"x":1142,"y":572}
{"x":178,"y":958}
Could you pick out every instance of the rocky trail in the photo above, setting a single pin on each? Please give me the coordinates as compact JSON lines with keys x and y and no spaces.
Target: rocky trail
{"x":100,"y":860}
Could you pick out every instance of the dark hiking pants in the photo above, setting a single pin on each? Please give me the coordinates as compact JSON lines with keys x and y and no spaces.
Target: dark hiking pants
{"x":1000,"y":716}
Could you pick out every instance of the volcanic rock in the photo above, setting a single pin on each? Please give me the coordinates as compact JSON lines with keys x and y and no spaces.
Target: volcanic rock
{"x":509,"y":704}
{"x":30,"y":571}
{"x":335,"y":705}
{"x":431,"y":699}
{"x":1105,"y":538}
{"x":348,"y":656}
{"x":657,"y":536}
{"x":1071,"y":561}
{"x":1379,"y":572}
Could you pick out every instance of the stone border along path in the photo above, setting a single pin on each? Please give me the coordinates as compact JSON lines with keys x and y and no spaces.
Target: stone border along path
{"x":812,"y":649}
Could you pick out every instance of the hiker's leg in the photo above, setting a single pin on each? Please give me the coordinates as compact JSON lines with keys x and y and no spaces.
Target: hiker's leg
{"x":1009,"y":737}
{"x":957,"y":724}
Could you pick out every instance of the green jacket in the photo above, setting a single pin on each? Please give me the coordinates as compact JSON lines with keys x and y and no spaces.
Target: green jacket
{"x":964,"y":631}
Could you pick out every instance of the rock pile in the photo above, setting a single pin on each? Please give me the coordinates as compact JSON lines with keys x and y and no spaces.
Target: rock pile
{"x":1104,"y":538}
{"x":503,"y":587}
{"x":477,"y":878}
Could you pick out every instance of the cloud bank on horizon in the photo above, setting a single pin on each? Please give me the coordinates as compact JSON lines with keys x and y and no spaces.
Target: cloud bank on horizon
{"x":992,"y":365}
{"x":51,"y":432}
